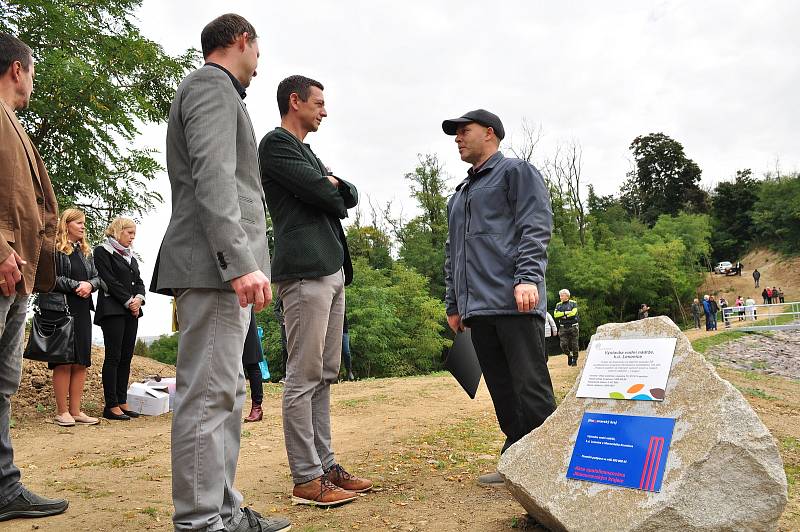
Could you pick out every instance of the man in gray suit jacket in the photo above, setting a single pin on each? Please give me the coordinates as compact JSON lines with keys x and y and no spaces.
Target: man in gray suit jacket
{"x":212,"y":259}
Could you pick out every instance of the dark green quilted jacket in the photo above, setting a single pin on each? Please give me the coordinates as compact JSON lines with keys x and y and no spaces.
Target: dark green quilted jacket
{"x":305,"y":209}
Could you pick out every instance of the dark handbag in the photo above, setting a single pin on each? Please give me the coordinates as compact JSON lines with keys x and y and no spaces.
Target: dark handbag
{"x":51,"y":340}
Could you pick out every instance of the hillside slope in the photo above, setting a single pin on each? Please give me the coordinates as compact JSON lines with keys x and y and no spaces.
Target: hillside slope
{"x":775,"y":269}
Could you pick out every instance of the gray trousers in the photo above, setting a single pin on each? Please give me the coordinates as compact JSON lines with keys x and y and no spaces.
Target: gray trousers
{"x":314,"y":314}
{"x":12,"y":327}
{"x":207,"y":419}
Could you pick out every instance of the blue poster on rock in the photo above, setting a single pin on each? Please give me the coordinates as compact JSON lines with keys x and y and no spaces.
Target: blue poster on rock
{"x":628,"y":451}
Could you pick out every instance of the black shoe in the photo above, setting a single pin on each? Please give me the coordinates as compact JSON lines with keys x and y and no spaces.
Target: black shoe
{"x":108,"y":414}
{"x":28,"y":504}
{"x":254,"y":522}
{"x":130,"y":413}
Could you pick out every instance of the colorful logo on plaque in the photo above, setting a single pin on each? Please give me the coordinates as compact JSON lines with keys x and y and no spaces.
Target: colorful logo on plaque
{"x":635,"y":393}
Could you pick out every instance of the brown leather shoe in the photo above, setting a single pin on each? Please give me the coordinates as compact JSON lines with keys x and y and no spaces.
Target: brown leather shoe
{"x":256,"y":413}
{"x":339,"y":477}
{"x":321,"y":492}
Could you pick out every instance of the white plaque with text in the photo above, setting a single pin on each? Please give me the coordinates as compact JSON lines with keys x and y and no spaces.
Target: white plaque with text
{"x":630,"y":368}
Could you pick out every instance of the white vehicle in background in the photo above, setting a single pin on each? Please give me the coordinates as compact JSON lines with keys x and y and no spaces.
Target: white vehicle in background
{"x":724,"y":267}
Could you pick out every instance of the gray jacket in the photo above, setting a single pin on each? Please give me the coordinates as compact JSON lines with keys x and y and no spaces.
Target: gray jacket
{"x":217,"y":231}
{"x":500,"y":221}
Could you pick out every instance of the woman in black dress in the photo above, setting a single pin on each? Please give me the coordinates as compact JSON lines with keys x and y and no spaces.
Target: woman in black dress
{"x":119,"y":307}
{"x":76,"y":279}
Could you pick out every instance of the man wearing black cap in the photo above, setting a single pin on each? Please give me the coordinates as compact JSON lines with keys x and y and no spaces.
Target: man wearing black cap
{"x":500,"y":222}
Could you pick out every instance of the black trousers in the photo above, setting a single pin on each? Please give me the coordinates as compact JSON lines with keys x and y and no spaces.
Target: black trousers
{"x":119,"y":337}
{"x":253,"y":373}
{"x":284,"y":348}
{"x":514,"y":363}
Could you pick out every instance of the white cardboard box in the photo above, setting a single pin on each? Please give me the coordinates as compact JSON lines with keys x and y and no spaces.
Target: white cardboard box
{"x":147,"y":400}
{"x":165,"y":384}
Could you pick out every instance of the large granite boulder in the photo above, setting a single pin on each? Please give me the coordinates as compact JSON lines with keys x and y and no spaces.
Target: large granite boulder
{"x":723,"y":471}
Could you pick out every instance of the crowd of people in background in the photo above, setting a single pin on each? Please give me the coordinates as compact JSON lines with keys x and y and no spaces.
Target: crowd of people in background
{"x":742,"y":309}
{"x":772,"y":295}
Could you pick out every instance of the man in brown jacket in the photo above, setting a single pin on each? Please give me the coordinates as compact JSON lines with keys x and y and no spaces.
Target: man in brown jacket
{"x":28,"y":217}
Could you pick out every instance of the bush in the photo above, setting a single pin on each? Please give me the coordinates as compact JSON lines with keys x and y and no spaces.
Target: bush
{"x":165,"y":348}
{"x":395,"y":325}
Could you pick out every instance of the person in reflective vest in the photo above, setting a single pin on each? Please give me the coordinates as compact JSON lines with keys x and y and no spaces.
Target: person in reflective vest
{"x":566,"y":315}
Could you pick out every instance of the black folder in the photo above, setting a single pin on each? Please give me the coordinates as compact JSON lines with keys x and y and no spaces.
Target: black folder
{"x":462,"y":362}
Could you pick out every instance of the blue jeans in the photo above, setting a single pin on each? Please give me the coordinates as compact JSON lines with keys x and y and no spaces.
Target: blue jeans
{"x":12,"y":327}
{"x":346,"y":358}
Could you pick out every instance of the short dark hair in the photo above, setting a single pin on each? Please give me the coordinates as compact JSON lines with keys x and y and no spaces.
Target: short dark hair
{"x":295,"y":84}
{"x":223,"y":31}
{"x":12,"y":49}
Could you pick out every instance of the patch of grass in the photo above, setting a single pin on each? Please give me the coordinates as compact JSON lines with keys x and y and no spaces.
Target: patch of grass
{"x":442,"y":373}
{"x":40,"y":408}
{"x":752,"y":375}
{"x":151,"y":511}
{"x":792,"y":474}
{"x":115,"y":462}
{"x":757,"y":392}
{"x":467,"y":445}
{"x":783,"y":320}
{"x":273,"y":389}
{"x":791,"y":444}
{"x":360,"y":402}
{"x":153,"y":477}
{"x":701,"y":345}
{"x":246,"y":434}
{"x":118,"y":462}
{"x":86,"y":491}
{"x":760,"y":364}
{"x":560,"y":395}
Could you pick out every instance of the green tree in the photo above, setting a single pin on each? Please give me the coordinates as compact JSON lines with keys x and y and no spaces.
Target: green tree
{"x":665,"y":180}
{"x":422,"y":239}
{"x":732,"y":203}
{"x":165,"y":348}
{"x":141,"y":349}
{"x":370,"y":243}
{"x":607,"y":219}
{"x":776,"y":214}
{"x":633,"y":265}
{"x":97,"y":80}
{"x":395,"y":325}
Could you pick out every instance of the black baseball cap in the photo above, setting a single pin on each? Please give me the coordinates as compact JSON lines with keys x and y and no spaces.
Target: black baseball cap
{"x":480,"y":116}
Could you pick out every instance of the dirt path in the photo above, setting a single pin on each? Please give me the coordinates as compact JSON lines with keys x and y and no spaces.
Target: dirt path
{"x":421,"y":439}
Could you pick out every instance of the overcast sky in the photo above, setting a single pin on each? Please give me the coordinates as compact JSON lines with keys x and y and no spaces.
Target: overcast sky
{"x":721,"y":77}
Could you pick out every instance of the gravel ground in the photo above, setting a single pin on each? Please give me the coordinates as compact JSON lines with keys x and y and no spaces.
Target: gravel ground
{"x":773,"y":353}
